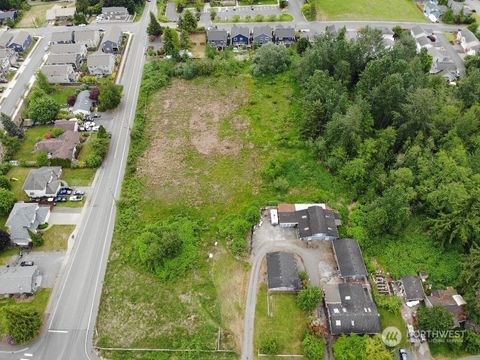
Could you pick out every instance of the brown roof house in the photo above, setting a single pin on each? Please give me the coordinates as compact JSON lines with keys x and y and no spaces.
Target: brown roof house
{"x":61,"y":147}
{"x":450,"y":300}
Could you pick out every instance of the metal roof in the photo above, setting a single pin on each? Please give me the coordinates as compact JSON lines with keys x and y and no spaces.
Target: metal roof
{"x":349,"y":258}
{"x":282,"y":271}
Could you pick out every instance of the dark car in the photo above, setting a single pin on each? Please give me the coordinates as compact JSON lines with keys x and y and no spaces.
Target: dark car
{"x":26,"y":263}
{"x":96,"y":115}
{"x":60,"y":199}
{"x":64,"y":192}
{"x":402,"y":354}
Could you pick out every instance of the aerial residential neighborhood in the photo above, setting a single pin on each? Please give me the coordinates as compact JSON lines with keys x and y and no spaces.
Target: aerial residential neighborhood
{"x":249,"y":179}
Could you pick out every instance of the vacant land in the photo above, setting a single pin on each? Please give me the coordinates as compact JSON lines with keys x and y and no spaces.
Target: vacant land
{"x":395,"y":10}
{"x":61,"y":94}
{"x":394,"y":319}
{"x":36,"y":16}
{"x":199,"y":41}
{"x":56,"y":238}
{"x":278,"y":317}
{"x":78,"y":177}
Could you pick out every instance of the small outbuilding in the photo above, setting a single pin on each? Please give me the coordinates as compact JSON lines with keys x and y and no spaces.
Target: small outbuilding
{"x":282,"y":272}
{"x":349,"y":259}
{"x":413,"y":289}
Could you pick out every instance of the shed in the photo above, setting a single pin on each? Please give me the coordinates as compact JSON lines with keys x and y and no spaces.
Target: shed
{"x":349,"y":259}
{"x":83,"y":103}
{"x":282,"y":272}
{"x":413,"y":288}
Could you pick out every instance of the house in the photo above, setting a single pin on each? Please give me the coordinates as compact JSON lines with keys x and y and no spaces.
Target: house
{"x":62,"y":37}
{"x":434,"y":11}
{"x":115,"y":13}
{"x":240,"y":36}
{"x":351,"y":310}
{"x":23,"y":219}
{"x":7,"y":15}
{"x":8,"y":57}
{"x":58,"y":13}
{"x":282,"y":272}
{"x":262,"y":35}
{"x":468,"y":41}
{"x":83,"y":103}
{"x":43,"y":182}
{"x":112,"y":40}
{"x":413,"y":290}
{"x":449,"y":299}
{"x":63,"y":146}
{"x":284,"y":36}
{"x":21,"y":41}
{"x":313,"y":221}
{"x":18,"y":280}
{"x":5,"y":38}
{"x":417,"y":31}
{"x":217,"y":39}
{"x":60,"y":74}
{"x":69,"y":49}
{"x":65,"y":59}
{"x":100,"y":64}
{"x":89,"y":38}
{"x":458,"y":7}
{"x":349,"y":260}
{"x":388,"y":38}
{"x":423,"y":42}
{"x":443,"y":65}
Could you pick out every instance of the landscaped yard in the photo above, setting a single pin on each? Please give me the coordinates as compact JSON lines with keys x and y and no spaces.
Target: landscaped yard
{"x":388,"y":318}
{"x":278,"y":317}
{"x":395,"y":10}
{"x":32,"y":136}
{"x":78,"y":177}
{"x":61,"y":94}
{"x":56,"y":238}
{"x":36,"y":16}
{"x":257,"y":2}
{"x":17,"y":176}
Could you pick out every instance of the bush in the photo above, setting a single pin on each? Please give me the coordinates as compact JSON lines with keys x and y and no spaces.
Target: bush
{"x":309,"y":11}
{"x":313,"y":347}
{"x":5,"y":183}
{"x":43,"y":109}
{"x":71,"y":100}
{"x":7,"y":200}
{"x":41,"y":159}
{"x":269,"y":346}
{"x":309,"y":298}
{"x":281,"y":184}
{"x":110,"y":96}
{"x":37,"y":238}
{"x":23,"y":323}
{"x":56,"y":132}
{"x":43,"y":226}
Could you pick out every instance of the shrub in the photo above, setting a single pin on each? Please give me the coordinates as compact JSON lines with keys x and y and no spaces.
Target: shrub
{"x":41,"y":158}
{"x":269,"y":346}
{"x":56,"y":132}
{"x":281,"y":184}
{"x":37,"y":238}
{"x":271,"y":59}
{"x":313,"y":347}
{"x":7,"y":200}
{"x":71,"y":100}
{"x":43,"y":226}
{"x":5,"y":183}
{"x":23,"y":323}
{"x":309,"y":11}
{"x":309,"y":298}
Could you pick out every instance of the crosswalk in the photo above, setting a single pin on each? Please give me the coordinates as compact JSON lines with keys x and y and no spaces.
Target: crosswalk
{"x":27,"y":356}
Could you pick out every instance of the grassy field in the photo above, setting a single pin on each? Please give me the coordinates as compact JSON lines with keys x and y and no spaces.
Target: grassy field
{"x":395,"y":10}
{"x":36,"y":16}
{"x":56,"y":238}
{"x":17,"y":176}
{"x":32,"y":136}
{"x":78,"y":177}
{"x":199,"y":41}
{"x":389,"y":319}
{"x":442,"y":351}
{"x":279,"y":317}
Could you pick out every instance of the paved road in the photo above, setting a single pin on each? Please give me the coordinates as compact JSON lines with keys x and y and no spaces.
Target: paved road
{"x":73,"y":308}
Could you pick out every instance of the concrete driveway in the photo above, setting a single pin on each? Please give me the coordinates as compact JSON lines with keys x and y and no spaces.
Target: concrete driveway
{"x":65,"y":216}
{"x":49,"y":264}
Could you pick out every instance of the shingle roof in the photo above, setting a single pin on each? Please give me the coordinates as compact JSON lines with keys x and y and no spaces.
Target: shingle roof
{"x":282,"y":271}
{"x":262,"y":30}
{"x":62,"y":59}
{"x":20,"y":38}
{"x":113,"y":34}
{"x":349,"y":258}
{"x":7,"y":14}
{"x":469,"y":36}
{"x":24,"y":217}
{"x":100,"y":59}
{"x":356,"y":313}
{"x":5,"y":37}
{"x":115,"y":9}
{"x":316,"y":220}
{"x":61,"y":147}
{"x":217,"y":35}
{"x":62,"y":36}
{"x":83,"y":101}
{"x":85,"y":36}
{"x":18,"y":280}
{"x":281,"y":32}
{"x":67,"y":48}
{"x":44,"y":177}
{"x":57,"y":70}
{"x":413,"y":288}
{"x":240,"y":30}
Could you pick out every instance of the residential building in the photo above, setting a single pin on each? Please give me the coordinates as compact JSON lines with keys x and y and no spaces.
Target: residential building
{"x":69,"y":49}
{"x":282,"y":272}
{"x":7,"y":15}
{"x":100,"y":64}
{"x":413,"y":290}
{"x":217,"y":38}
{"x":349,"y":260}
{"x":5,"y":38}
{"x":83,"y":103}
{"x":443,"y":65}
{"x":112,"y":40}
{"x":115,"y":13}
{"x":351,"y":310}
{"x":284,"y":36}
{"x":468,"y":41}
{"x":240,"y":36}
{"x":43,"y":182}
{"x":423,"y":42}
{"x":62,"y":37}
{"x":8,"y":57}
{"x":18,"y":280}
{"x":60,"y":74}
{"x":21,"y":41}
{"x":452,"y":301}
{"x":89,"y":38}
{"x":58,"y":13}
{"x":313,"y":221}
{"x":65,"y":59}
{"x":262,"y":35}
{"x":63,"y":146}
{"x":433,"y":11}
{"x":23,"y":219}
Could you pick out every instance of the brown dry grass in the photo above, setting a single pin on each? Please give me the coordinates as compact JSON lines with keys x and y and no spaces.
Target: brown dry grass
{"x":199,"y":41}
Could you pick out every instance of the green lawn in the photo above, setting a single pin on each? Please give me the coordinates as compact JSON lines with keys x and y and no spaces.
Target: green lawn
{"x":56,"y":238}
{"x":6,"y":255}
{"x":280,"y":319}
{"x":390,"y":319}
{"x":78,"y":177}
{"x":36,"y":16}
{"x":394,"y":10}
{"x":39,"y":301}
{"x":32,"y":136}
{"x":61,"y":94}
{"x":17,"y":176}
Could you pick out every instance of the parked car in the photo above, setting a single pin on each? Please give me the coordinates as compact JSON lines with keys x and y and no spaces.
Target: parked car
{"x":402,"y":354}
{"x":96,"y":115}
{"x":27,"y":263}
{"x":95,"y":128}
{"x":60,"y":199}
{"x":76,"y":198}
{"x":79,"y":192}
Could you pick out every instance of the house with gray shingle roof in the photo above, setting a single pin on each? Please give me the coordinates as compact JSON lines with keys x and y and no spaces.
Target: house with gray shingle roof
{"x":468,"y":41}
{"x":89,"y":38}
{"x":65,"y":59}
{"x":23,"y":218}
{"x":83,"y":103}
{"x":262,"y":34}
{"x":282,"y":272}
{"x":217,"y":38}
{"x":112,"y":40}
{"x":413,"y":288}
{"x":63,"y":146}
{"x":62,"y":37}
{"x":69,"y":49}
{"x":100,"y":64}
{"x":5,"y":38}
{"x":43,"y":182}
{"x":284,"y":36}
{"x":8,"y":57}
{"x":21,"y":41}
{"x":17,"y":280}
{"x":60,"y":74}
{"x":115,"y":13}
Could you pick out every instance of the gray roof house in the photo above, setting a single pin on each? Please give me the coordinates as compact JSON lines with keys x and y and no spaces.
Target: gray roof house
{"x":18,"y":280}
{"x":21,"y":41}
{"x":60,"y":74}
{"x":69,"y":49}
{"x":89,"y":38}
{"x":64,"y":59}
{"x":468,"y":41}
{"x":443,"y":65}
{"x":83,"y":104}
{"x":115,"y":13}
{"x":349,"y":259}
{"x":23,"y":218}
{"x":112,"y":40}
{"x":5,"y":38}
{"x":262,"y":34}
{"x":62,"y":37}
{"x":240,"y":36}
{"x":284,"y":36}
{"x":8,"y":15}
{"x":413,"y":288}
{"x":217,"y":38}
{"x":8,"y":57}
{"x":43,"y":182}
{"x":282,"y":272}
{"x":61,"y":147}
{"x":100,"y":64}
{"x":351,"y":309}
{"x":60,"y":13}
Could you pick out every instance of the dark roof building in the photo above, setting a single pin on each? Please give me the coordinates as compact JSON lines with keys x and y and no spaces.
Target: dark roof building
{"x":452,"y":301}
{"x":349,"y":259}
{"x":351,"y":310}
{"x":217,"y":38}
{"x":284,"y":36}
{"x":262,"y":34}
{"x":282,"y":272}
{"x":240,"y":36}
{"x":19,"y":280}
{"x":413,"y":288}
{"x":23,"y":218}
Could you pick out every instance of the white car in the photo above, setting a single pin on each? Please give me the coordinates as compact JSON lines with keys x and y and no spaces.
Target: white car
{"x":76,"y":198}
{"x":82,"y":25}
{"x":95,"y":128}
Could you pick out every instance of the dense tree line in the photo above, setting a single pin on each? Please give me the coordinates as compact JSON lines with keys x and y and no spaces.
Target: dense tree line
{"x":95,"y":6}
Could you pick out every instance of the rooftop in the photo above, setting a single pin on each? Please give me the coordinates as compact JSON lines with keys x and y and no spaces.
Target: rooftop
{"x":282,"y":272}
{"x":413,"y":288}
{"x":18,"y":280}
{"x":349,"y":258}
{"x":25,"y":217}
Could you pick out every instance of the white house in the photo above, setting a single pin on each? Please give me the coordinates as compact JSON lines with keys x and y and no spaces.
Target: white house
{"x":60,"y":74}
{"x":43,"y":182}
{"x":468,"y":41}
